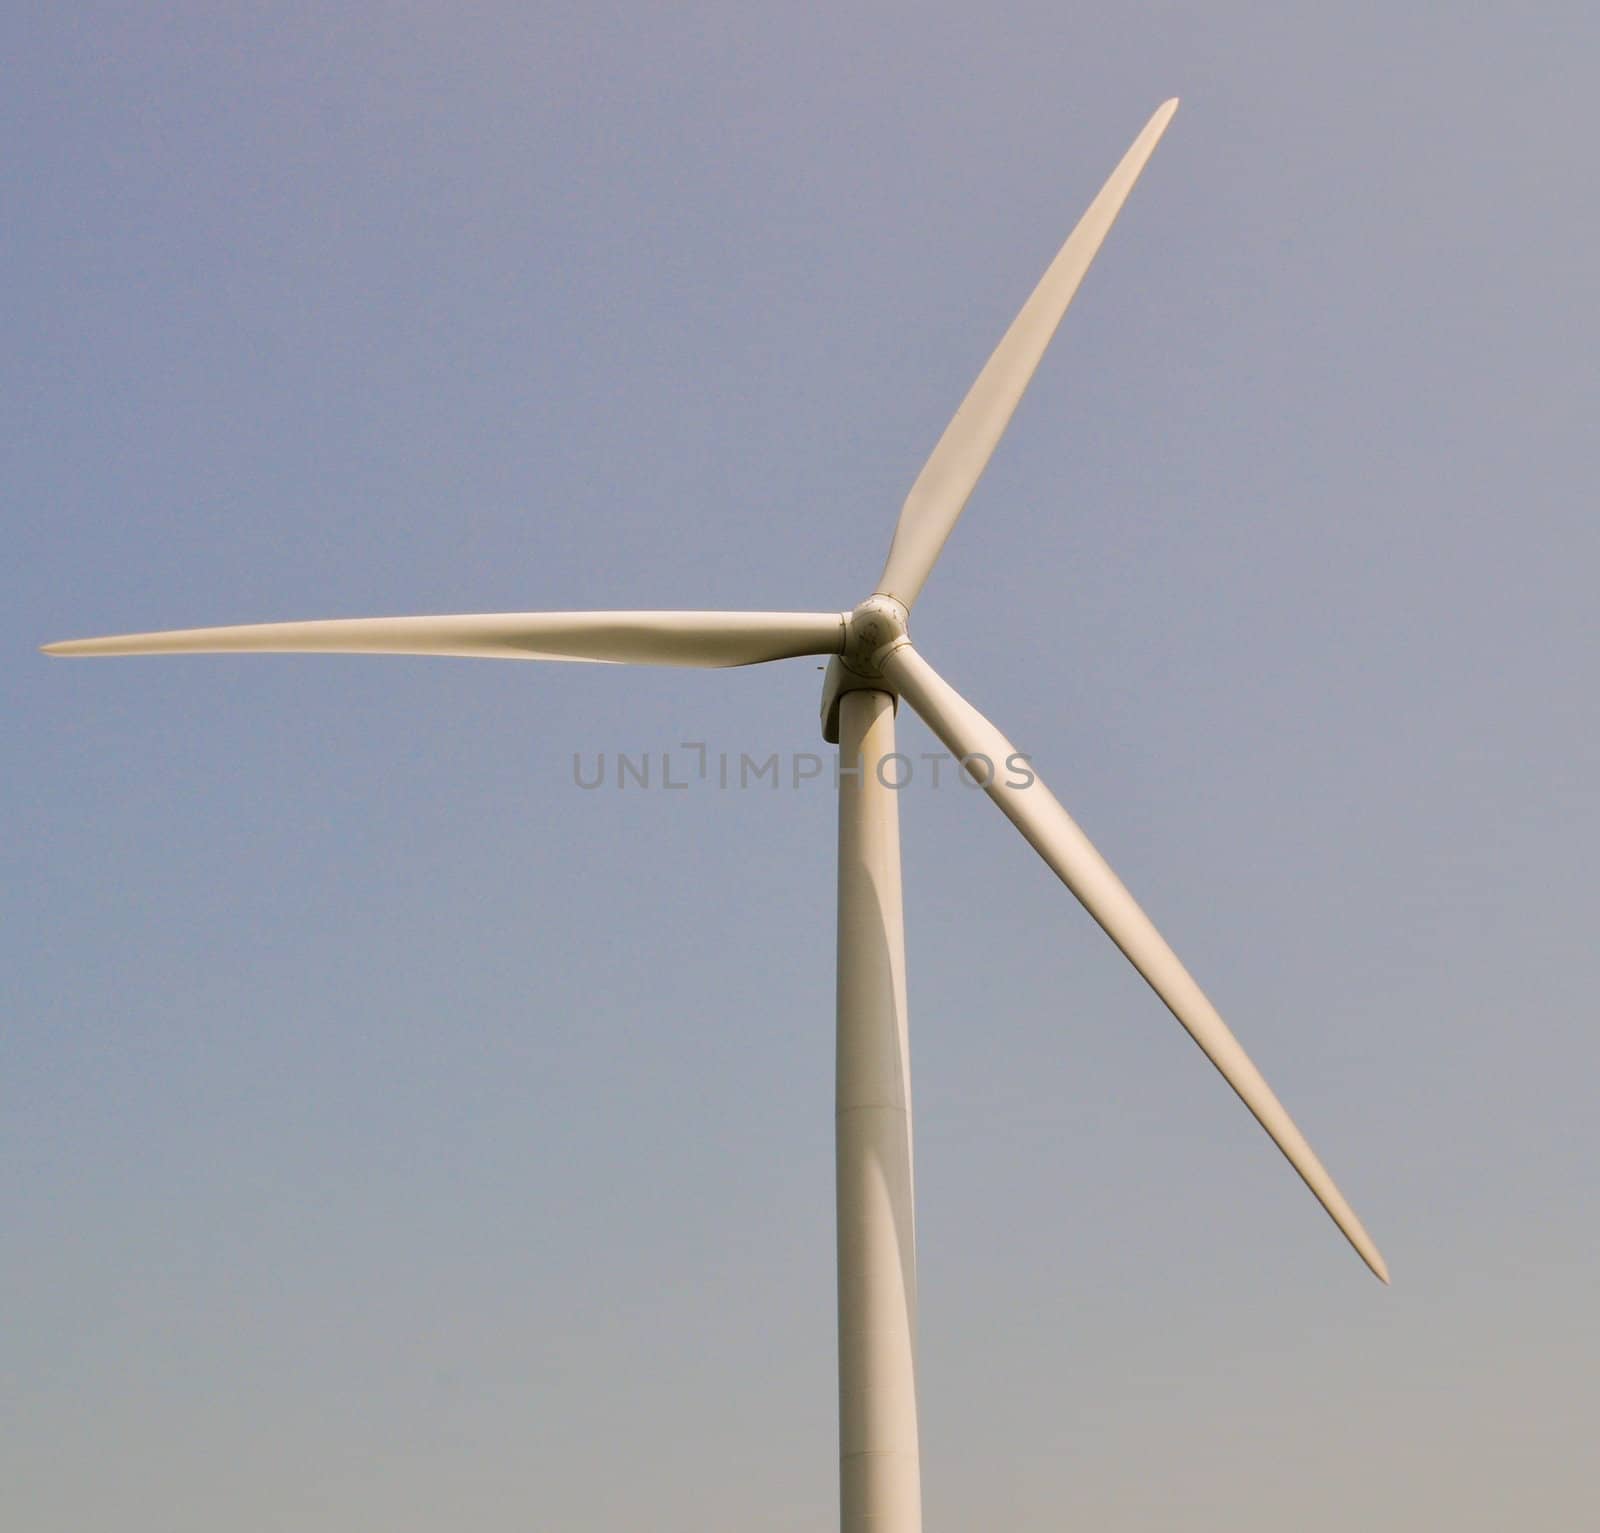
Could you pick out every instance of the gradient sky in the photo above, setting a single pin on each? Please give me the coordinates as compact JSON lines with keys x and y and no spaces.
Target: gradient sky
{"x":396,"y":1136}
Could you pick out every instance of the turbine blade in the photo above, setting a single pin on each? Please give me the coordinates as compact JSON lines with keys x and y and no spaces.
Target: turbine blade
{"x":963,"y":452}
{"x":616,"y":638}
{"x":1052,"y":832}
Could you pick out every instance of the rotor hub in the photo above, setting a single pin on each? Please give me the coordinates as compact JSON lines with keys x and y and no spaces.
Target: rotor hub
{"x":875,"y":627}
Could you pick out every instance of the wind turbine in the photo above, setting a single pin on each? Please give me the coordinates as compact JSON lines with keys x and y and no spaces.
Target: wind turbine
{"x":873,"y":665}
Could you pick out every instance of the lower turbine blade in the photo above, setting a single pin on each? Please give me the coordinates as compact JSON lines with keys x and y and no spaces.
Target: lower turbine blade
{"x":618,"y":638}
{"x":1053,"y":833}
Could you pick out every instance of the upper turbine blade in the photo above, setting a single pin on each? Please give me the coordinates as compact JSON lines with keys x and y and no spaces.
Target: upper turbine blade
{"x":1052,"y":832}
{"x":618,"y":638}
{"x":963,"y":452}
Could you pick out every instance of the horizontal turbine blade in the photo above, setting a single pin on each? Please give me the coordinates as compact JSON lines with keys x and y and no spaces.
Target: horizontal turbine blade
{"x":615,"y":638}
{"x":1052,"y":832}
{"x":963,"y":452}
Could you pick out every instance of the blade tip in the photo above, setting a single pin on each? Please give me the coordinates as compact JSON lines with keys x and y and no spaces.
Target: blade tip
{"x":76,"y":647}
{"x":1366,"y":1248}
{"x":1160,"y":120}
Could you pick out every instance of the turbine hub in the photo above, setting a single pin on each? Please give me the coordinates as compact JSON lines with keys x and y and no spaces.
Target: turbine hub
{"x":875,"y":626}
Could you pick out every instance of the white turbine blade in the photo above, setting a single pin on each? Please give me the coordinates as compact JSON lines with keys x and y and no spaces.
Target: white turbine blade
{"x":1052,"y":832}
{"x":617,"y":638}
{"x":963,"y":452}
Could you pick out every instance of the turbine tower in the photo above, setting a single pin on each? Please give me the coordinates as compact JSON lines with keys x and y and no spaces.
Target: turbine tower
{"x":873,"y":666}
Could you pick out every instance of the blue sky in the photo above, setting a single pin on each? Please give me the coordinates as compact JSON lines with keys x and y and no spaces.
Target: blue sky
{"x":397,"y":1135}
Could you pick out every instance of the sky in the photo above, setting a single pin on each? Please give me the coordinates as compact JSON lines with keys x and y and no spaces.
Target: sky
{"x":396,"y":1134}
